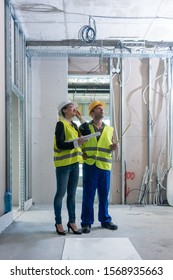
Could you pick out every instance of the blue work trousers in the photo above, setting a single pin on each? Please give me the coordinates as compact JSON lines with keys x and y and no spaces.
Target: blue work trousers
{"x":67,"y":181}
{"x":94,"y":179}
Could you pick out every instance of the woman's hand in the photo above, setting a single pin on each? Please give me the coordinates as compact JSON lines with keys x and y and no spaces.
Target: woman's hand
{"x":79,"y":115}
{"x":81,"y":141}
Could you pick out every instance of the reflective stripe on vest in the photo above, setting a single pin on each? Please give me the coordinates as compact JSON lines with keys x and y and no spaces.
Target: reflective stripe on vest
{"x":99,"y":152}
{"x":67,"y":157}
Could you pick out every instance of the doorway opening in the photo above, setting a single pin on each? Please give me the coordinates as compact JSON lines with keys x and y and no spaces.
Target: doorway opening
{"x":88,"y":80}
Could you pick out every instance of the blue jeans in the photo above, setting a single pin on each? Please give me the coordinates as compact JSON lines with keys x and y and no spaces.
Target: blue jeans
{"x":67,"y":180}
{"x":94,"y":179}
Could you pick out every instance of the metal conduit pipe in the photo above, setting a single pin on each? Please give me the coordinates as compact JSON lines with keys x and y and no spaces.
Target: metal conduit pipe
{"x":112,"y":121}
{"x":169,"y":191}
{"x":8,"y":120}
{"x":171,"y":121}
{"x":122,"y":128}
{"x":150,"y":129}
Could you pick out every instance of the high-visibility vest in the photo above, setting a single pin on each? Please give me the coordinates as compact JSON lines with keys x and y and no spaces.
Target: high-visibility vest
{"x":67,"y":157}
{"x":99,"y":152}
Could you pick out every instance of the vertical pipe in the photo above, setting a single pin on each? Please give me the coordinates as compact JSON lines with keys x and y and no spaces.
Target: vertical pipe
{"x":167,"y":113}
{"x":23,"y":121}
{"x":29,"y":127}
{"x":170,"y":116}
{"x":121,"y":130}
{"x":111,"y":107}
{"x":149,"y":129}
{"x":8,"y":114}
{"x":111,"y":91}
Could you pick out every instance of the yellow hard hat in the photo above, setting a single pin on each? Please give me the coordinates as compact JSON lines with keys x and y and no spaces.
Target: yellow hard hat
{"x":94,"y":104}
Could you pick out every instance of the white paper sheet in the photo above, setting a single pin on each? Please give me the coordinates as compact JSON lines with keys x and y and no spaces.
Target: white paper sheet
{"x":86,"y":137}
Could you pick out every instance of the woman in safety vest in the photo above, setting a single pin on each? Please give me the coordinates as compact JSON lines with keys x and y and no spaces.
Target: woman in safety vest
{"x":67,"y":156}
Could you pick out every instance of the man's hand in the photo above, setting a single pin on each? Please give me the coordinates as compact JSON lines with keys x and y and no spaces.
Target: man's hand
{"x":113,"y":146}
{"x":84,"y":155}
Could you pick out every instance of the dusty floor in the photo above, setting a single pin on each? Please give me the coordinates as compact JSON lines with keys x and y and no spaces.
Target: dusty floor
{"x":32,"y":234}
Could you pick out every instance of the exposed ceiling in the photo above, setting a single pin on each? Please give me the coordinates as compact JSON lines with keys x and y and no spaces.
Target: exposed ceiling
{"x":66,"y":22}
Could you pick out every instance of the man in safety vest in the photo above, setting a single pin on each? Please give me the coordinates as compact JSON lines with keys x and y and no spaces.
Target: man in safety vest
{"x":97,"y":154}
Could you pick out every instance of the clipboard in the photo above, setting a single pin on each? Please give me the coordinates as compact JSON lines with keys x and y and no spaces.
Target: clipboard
{"x":85,"y":137}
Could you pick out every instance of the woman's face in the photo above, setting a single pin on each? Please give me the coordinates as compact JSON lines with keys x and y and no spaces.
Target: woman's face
{"x":70,"y":110}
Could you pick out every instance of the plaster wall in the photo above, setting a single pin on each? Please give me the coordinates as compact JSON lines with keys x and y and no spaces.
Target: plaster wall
{"x":49,"y":88}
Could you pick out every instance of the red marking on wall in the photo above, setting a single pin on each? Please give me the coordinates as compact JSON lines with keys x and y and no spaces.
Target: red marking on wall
{"x":130,"y":175}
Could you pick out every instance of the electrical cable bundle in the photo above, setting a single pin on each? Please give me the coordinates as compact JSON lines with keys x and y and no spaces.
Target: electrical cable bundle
{"x":87,"y":33}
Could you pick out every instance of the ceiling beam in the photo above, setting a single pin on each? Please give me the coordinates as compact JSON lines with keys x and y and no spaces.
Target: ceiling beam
{"x":101,"y":43}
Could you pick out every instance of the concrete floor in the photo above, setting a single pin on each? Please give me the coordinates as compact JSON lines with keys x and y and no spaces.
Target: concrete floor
{"x":32,"y":234}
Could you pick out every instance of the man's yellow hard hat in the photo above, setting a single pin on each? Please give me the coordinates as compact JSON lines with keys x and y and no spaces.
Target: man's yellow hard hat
{"x":94,"y":104}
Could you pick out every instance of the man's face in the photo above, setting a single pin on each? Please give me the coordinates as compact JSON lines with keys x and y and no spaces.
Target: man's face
{"x":98,"y":111}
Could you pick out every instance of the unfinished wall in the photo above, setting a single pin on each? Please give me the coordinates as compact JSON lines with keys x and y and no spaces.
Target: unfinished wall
{"x":2,"y":110}
{"x":146,"y":116}
{"x":49,"y":88}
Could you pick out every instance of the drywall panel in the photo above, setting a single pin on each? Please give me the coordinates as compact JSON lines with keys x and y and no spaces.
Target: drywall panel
{"x":99,"y":249}
{"x":49,"y":88}
{"x":2,"y":110}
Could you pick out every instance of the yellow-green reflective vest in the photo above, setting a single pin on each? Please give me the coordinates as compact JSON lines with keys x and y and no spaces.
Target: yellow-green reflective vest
{"x":99,"y":152}
{"x":67,"y":157}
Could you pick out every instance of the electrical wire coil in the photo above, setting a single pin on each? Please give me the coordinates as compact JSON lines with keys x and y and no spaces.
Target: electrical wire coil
{"x":87,"y":34}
